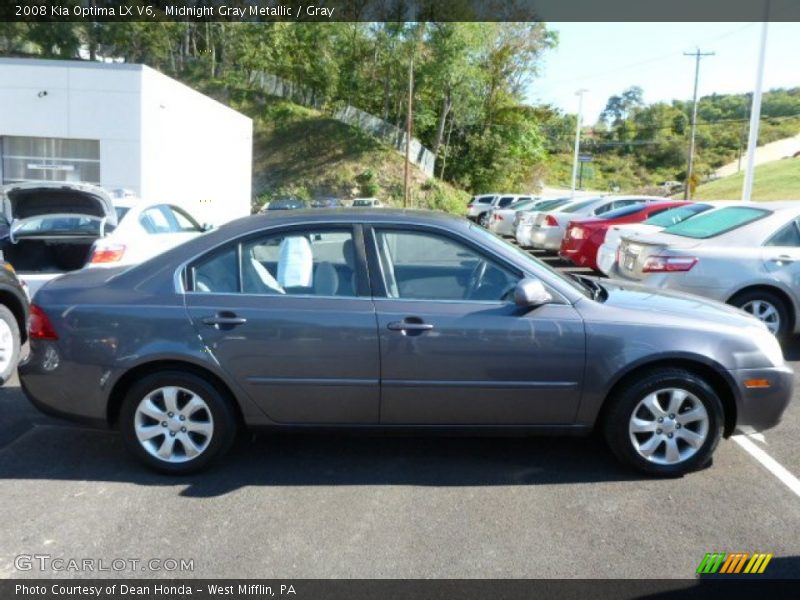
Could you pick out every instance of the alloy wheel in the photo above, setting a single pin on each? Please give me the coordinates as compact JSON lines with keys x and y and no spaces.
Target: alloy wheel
{"x":669,"y":426}
{"x":765,"y":312}
{"x":174,"y":424}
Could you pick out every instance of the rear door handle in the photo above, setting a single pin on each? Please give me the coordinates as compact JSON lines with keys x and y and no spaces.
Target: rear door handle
{"x":409,"y":326}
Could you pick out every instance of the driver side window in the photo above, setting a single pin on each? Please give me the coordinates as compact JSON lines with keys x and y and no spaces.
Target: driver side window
{"x":420,"y":265}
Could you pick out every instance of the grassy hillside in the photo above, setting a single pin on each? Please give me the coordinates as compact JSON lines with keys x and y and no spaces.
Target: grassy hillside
{"x":306,"y":153}
{"x":779,"y":180}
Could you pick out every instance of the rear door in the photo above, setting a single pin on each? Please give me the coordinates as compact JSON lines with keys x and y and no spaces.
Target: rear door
{"x":454,"y":349}
{"x":781,"y":256}
{"x":288,"y":314}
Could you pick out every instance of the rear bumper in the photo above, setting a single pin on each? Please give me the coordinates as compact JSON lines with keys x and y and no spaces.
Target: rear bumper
{"x":546,"y":238}
{"x":63,"y":389}
{"x":606,"y":257}
{"x":762,"y":408}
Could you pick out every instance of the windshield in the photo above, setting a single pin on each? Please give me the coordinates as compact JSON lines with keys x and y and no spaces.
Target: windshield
{"x":673,"y":216}
{"x":59,"y":225}
{"x":717,"y":222}
{"x":496,"y":240}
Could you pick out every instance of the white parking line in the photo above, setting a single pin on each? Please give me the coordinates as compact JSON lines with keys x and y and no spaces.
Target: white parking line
{"x":769,"y":463}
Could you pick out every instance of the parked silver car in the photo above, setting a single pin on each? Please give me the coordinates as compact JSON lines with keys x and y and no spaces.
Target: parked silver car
{"x":479,"y":207}
{"x":607,"y":253}
{"x":747,"y":255}
{"x":369,"y":318}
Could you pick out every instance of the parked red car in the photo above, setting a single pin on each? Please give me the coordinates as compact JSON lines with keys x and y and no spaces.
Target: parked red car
{"x":584,"y":237}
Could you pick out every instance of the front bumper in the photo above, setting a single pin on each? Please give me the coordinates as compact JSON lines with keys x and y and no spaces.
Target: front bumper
{"x":762,"y":407}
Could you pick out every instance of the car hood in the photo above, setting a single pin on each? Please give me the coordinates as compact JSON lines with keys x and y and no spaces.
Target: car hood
{"x":667,"y":306}
{"x":26,"y":201}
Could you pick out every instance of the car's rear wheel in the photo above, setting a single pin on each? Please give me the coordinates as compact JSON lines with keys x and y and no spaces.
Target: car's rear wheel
{"x":483,"y":220}
{"x":9,"y":343}
{"x":176,"y":422}
{"x":667,"y":422}
{"x":767,"y":307}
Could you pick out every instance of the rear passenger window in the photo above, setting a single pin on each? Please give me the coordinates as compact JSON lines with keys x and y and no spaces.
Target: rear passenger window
{"x":788,"y":236}
{"x":299,"y":262}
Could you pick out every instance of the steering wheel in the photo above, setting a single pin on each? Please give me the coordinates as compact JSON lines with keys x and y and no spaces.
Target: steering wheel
{"x":475,"y":279}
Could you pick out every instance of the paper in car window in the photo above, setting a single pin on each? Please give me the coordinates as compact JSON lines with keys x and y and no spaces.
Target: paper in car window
{"x":296,"y":263}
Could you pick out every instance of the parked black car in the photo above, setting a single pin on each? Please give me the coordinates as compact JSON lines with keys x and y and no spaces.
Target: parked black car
{"x":13,"y":318}
{"x":285,"y":204}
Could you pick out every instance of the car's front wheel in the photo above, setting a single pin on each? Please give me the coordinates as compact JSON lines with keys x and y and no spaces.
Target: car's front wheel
{"x":667,"y":422}
{"x":176,"y":422}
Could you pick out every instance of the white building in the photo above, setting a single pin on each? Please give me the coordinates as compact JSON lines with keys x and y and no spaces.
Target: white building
{"x":124,"y":126}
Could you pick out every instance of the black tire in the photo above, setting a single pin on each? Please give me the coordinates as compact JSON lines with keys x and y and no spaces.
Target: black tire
{"x":483,"y":220}
{"x":223,"y":417}
{"x":8,"y":318}
{"x":627,"y":398}
{"x":742,"y":299}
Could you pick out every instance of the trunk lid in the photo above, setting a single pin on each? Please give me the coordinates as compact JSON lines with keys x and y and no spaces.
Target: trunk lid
{"x":635,"y":249}
{"x":57,"y":210}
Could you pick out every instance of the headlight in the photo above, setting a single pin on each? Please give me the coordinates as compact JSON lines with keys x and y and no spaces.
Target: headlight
{"x":769,"y":346}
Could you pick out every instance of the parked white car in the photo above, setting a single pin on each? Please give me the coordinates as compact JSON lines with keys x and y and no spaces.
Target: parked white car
{"x":524,"y":219}
{"x":549,"y":228}
{"x":607,"y":253}
{"x":144,"y":230}
{"x":479,"y":207}
{"x":501,"y":220}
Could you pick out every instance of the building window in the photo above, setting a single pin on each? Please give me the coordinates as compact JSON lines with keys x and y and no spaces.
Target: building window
{"x":49,"y":159}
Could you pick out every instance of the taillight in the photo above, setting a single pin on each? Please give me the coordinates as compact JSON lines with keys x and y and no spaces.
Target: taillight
{"x":550,"y":221}
{"x":668,"y":264}
{"x":498,"y":217}
{"x":39,"y":325}
{"x":107,"y":254}
{"x":576,"y":233}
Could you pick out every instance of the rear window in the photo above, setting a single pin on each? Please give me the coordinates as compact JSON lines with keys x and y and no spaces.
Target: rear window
{"x":717,"y":222}
{"x":673,"y":216}
{"x":578,"y":206}
{"x":624,"y":211}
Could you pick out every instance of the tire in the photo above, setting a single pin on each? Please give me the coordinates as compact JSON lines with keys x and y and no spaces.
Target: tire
{"x":10,"y":343}
{"x":632,"y":429}
{"x":770,"y":303}
{"x":193,"y":436}
{"x":483,"y":220}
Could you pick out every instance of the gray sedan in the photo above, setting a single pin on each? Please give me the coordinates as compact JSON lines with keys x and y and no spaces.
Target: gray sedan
{"x":383,"y":319}
{"x":747,"y":255}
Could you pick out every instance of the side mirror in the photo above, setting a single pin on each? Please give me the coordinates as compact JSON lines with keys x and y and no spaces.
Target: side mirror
{"x":530,"y":293}
{"x":207,"y":226}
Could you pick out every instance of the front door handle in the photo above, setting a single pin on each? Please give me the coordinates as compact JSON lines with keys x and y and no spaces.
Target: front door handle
{"x":224,"y":319}
{"x":783,"y":258}
{"x":413,"y":324}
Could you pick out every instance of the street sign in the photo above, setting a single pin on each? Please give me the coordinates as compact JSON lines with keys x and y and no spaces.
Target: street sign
{"x":584,"y":158}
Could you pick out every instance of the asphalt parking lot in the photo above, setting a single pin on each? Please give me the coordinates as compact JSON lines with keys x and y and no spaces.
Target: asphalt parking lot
{"x":324,"y":506}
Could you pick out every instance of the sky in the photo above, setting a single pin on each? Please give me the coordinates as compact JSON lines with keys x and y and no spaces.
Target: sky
{"x":607,"y":58}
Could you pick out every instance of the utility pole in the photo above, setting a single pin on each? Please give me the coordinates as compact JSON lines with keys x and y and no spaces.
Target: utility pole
{"x":579,"y":94}
{"x":755,"y":113}
{"x":409,"y":121}
{"x":690,"y":161}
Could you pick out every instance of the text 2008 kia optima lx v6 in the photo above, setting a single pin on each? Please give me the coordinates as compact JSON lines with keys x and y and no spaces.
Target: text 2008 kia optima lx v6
{"x":391,"y":319}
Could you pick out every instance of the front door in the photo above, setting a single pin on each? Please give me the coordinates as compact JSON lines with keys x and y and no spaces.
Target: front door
{"x":456,"y":350}
{"x":288,"y":315}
